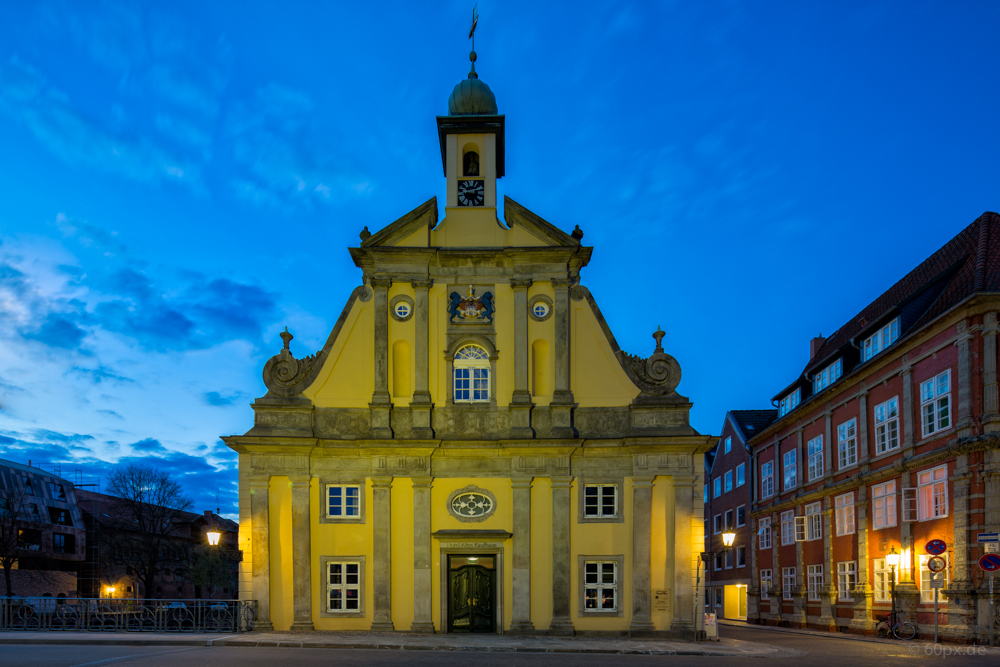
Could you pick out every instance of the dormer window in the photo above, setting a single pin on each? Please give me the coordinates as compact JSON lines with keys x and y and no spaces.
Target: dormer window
{"x":828,"y":376}
{"x":788,"y":403}
{"x":880,"y":340}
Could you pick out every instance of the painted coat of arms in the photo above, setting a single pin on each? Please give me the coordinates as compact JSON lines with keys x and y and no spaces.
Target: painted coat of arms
{"x":470,"y":308}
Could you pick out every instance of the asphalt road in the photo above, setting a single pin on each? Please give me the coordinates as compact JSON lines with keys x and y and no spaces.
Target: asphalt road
{"x":820,"y":651}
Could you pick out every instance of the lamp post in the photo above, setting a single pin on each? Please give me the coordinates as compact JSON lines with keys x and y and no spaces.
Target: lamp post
{"x":892,"y":558}
{"x":728,"y":538}
{"x":214,"y":535}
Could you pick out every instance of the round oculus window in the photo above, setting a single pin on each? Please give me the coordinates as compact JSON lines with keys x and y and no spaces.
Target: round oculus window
{"x":402,"y":310}
{"x":540,"y":309}
{"x":472,"y":504}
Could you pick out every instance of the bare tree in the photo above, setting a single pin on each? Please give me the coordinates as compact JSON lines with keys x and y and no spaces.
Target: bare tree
{"x":139,"y":529}
{"x":13,"y":512}
{"x":211,"y":569}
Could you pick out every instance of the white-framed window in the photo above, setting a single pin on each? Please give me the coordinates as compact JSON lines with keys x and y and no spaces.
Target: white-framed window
{"x":828,"y":376}
{"x":926,"y":592}
{"x":600,"y":585}
{"x":765,"y":584}
{"x":729,"y":445}
{"x":814,"y":521}
{"x":880,"y":340}
{"x":728,"y":485}
{"x":472,"y":375}
{"x":932,"y":493}
{"x":883,"y":580}
{"x":540,"y":309}
{"x":814,"y":580}
{"x":909,"y":504}
{"x":884,"y":505}
{"x":741,"y":556}
{"x":787,"y":582}
{"x":600,"y":500}
{"x":741,"y":474}
{"x":815,"y":457}
{"x":718,"y":561}
{"x":717,"y":526}
{"x":935,"y":403}
{"x":887,"y":426}
{"x":729,"y":559}
{"x":790,"y":469}
{"x":844,"y":513}
{"x":788,"y":527}
{"x":847,"y":577}
{"x":717,"y":486}
{"x":343,"y":501}
{"x":764,"y":532}
{"x":788,"y":403}
{"x":847,"y":443}
{"x":343,"y":586}
{"x":704,"y":498}
{"x":708,"y":596}
{"x":729,"y":519}
{"x":402,"y":310}
{"x":767,"y":479}
{"x":718,"y":597}
{"x":741,"y":516}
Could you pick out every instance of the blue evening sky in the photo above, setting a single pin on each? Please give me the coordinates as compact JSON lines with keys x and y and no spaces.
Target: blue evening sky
{"x":179,"y":181}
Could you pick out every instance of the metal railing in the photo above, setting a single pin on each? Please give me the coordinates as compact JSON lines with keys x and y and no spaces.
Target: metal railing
{"x":113,"y":615}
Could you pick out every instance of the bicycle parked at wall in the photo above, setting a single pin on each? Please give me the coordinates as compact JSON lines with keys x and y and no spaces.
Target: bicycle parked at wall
{"x":897,"y":625}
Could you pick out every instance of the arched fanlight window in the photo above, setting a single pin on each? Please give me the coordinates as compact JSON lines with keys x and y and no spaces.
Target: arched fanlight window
{"x":472,"y":375}
{"x":470,"y":164}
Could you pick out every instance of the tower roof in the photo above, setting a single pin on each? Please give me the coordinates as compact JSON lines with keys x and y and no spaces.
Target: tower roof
{"x":472,"y":97}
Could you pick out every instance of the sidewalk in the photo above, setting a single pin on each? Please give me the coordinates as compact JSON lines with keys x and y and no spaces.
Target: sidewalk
{"x":415,"y":642}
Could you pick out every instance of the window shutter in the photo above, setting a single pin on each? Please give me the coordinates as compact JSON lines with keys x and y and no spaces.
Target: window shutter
{"x":800,"y":529}
{"x":909,"y":504}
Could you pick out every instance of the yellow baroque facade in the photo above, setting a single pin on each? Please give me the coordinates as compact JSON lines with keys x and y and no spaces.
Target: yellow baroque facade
{"x":471,"y":451}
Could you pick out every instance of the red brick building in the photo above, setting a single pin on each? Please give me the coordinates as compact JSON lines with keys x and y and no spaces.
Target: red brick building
{"x":728,"y":499}
{"x":886,"y":440}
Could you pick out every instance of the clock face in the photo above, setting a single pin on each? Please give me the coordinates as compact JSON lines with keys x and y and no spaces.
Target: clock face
{"x":470,"y":193}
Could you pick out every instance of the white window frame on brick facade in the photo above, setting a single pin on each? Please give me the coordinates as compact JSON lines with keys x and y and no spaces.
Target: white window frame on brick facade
{"x":882,"y":583}
{"x":847,"y":443}
{"x":718,"y":561}
{"x":729,"y":445}
{"x":884,"y":505}
{"x":741,"y":556}
{"x":932,"y":493}
{"x":881,"y":339}
{"x":814,"y":521}
{"x":741,"y":474}
{"x":765,"y":584}
{"x":847,"y":579}
{"x":728,"y":485}
{"x":909,"y":504}
{"x":717,"y":524}
{"x":718,"y":597}
{"x":717,"y":487}
{"x":764,"y":532}
{"x":935,"y":403}
{"x":843,"y":507}
{"x":814,"y":581}
{"x":789,"y":402}
{"x":887,"y":426}
{"x":828,"y":376}
{"x":926,"y":592}
{"x":814,"y":457}
{"x":788,"y":582}
{"x":729,"y":559}
{"x":787,"y":527}
{"x":704,"y":498}
{"x":767,"y":479}
{"x":741,"y":516}
{"x":789,"y":470}
{"x":729,"y":520}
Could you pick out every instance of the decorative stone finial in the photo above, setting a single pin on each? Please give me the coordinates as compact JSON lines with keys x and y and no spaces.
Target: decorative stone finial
{"x":365,"y":234}
{"x":286,"y":337}
{"x":577,"y":233}
{"x":472,"y":59}
{"x":658,"y":335}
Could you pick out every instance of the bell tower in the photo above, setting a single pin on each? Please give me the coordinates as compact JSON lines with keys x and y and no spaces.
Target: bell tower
{"x":472,"y":151}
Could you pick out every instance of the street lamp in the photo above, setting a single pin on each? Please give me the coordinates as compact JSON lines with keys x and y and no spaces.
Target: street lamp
{"x":110,"y":590}
{"x":892,"y":558}
{"x":214,"y":535}
{"x":728,"y":538}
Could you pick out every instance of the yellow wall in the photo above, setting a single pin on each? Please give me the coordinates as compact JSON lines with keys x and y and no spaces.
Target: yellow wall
{"x":347,"y":379}
{"x":401,"y":504}
{"x":280,"y":510}
{"x":597,"y":378}
{"x":661,"y":576}
{"x":541,"y":552}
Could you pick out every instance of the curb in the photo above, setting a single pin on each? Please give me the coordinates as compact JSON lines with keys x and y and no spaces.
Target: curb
{"x":479,"y":649}
{"x":842,"y":635}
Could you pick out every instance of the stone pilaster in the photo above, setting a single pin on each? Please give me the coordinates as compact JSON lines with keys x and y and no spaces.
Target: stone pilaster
{"x":862,"y":591}
{"x":909,"y":416}
{"x":382,"y":554}
{"x":562,"y":403}
{"x":991,"y":409}
{"x":775,"y":606}
{"x":863,"y":453}
{"x":830,"y":449}
{"x":799,"y":616}
{"x":260,"y":533}
{"x":521,"y":616}
{"x":685,"y":555}
{"x":381,"y":403}
{"x":829,"y":593}
{"x":800,"y":463}
{"x":963,"y":420}
{"x":422,"y":590}
{"x":960,"y":575}
{"x":642,"y":517}
{"x":907,"y":592}
{"x":301,"y":555}
{"x":420,"y":408}
{"x":520,"y":402}
{"x":562,"y":623}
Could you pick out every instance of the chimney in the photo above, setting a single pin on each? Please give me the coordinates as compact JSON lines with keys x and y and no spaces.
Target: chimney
{"x":814,"y":345}
{"x":208,"y":514}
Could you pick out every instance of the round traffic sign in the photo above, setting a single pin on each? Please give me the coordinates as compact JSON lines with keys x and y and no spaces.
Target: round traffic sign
{"x":936,"y":563}
{"x":990,"y":562}
{"x":936,"y":547}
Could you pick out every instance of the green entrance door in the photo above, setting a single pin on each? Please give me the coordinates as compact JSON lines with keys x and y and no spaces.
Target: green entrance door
{"x":471,"y":594}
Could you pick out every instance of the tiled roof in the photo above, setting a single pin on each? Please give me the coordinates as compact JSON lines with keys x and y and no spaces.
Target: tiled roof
{"x":968,"y":263}
{"x":752,"y":422}
{"x":31,"y":469}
